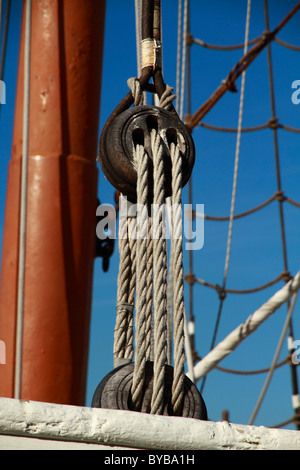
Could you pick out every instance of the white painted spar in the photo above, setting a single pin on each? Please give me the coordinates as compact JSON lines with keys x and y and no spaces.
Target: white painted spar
{"x":128,"y":429}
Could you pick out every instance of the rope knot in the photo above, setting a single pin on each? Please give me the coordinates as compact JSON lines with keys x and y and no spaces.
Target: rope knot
{"x":190,"y":278}
{"x":189,"y":39}
{"x":286,"y":276}
{"x":221,"y":292}
{"x":167,"y":97}
{"x":273,"y":123}
{"x":229,"y":83}
{"x":280,"y":196}
{"x":266,"y":35}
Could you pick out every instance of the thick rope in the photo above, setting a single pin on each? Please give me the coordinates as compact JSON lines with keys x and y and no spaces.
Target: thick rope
{"x":159,"y":277}
{"x":149,"y":297}
{"x":179,"y":45}
{"x":123,"y":335}
{"x":125,"y":296}
{"x":131,"y":289}
{"x":141,"y":161}
{"x":138,"y":34}
{"x":184,"y":53}
{"x":178,"y":286}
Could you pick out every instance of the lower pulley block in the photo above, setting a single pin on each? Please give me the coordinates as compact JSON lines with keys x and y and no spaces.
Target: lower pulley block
{"x":114,"y":392}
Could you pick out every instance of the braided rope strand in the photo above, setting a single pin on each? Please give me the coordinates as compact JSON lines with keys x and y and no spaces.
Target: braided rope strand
{"x":149,"y":297}
{"x":178,"y":288}
{"x":159,"y":277}
{"x":131,"y":290}
{"x":141,"y":158}
{"x":122,"y":290}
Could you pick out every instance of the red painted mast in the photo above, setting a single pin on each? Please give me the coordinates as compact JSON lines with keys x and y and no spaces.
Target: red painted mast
{"x":65,"y":69}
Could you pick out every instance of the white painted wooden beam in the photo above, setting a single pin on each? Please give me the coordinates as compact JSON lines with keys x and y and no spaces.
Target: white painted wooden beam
{"x":135,"y":430}
{"x":32,"y":443}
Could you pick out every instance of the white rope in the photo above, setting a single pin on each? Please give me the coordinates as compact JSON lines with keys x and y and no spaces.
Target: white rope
{"x":123,"y":327}
{"x":131,"y":292}
{"x":159,"y":276}
{"x":23,"y":207}
{"x":123,"y":334}
{"x":180,"y":87}
{"x":179,"y":45}
{"x":141,"y":162}
{"x":178,"y":287}
{"x":231,"y":342}
{"x":275,"y":358}
{"x":188,"y":351}
{"x":149,"y":298}
{"x":138,"y":33}
{"x":183,"y":64}
{"x":237,"y":150}
{"x":170,"y":289}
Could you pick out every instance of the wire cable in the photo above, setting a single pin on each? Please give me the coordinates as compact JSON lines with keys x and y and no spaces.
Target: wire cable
{"x":23,"y":207}
{"x":234,"y":186}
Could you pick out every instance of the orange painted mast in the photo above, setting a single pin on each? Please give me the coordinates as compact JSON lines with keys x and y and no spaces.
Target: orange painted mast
{"x":65,"y":70}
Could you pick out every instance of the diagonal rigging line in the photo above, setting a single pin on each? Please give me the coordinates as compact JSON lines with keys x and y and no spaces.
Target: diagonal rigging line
{"x":183,"y":52}
{"x":233,"y":47}
{"x":235,"y":176}
{"x":237,"y":70}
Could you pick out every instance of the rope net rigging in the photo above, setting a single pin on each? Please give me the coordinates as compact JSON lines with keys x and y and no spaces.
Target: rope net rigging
{"x":184,"y":84}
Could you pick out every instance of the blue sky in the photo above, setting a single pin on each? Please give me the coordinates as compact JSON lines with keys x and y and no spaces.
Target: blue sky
{"x":256,"y":255}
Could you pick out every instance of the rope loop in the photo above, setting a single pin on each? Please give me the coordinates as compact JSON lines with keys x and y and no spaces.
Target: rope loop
{"x":136,"y":90}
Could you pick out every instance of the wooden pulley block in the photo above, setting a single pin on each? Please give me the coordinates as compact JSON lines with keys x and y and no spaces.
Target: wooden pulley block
{"x":132,"y":127}
{"x":114,"y":392}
